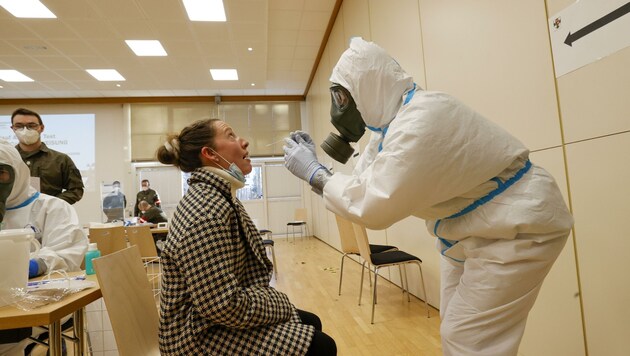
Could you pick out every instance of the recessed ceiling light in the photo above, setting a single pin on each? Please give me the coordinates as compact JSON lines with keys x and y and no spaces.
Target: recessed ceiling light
{"x":10,"y":75}
{"x":118,"y":85}
{"x":106,"y":75}
{"x":224,"y":74}
{"x":250,"y":49}
{"x":205,"y":10}
{"x":30,"y":9}
{"x":253,"y":84}
{"x":146,"y":47}
{"x":1,"y":87}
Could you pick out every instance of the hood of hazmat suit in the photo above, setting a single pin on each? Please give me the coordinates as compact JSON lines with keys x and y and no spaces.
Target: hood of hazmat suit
{"x":62,"y":241}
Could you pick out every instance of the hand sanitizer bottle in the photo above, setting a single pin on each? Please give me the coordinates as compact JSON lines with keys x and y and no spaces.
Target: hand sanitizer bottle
{"x":92,"y":253}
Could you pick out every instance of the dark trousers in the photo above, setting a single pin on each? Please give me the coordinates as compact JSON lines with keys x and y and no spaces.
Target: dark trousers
{"x":322,"y":344}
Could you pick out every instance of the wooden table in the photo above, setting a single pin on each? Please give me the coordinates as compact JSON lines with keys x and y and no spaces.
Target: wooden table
{"x":51,"y":315}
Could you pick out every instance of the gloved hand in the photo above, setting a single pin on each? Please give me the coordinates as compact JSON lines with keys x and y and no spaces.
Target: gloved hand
{"x":299,"y":156}
{"x":305,"y":138}
{"x":33,"y":268}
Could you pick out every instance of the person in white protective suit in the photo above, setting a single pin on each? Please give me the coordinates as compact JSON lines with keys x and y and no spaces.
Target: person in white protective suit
{"x":500,"y":220}
{"x":61,"y":241}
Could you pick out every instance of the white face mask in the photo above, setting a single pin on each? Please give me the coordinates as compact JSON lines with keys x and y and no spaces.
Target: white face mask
{"x":26,"y":136}
{"x":145,"y":188}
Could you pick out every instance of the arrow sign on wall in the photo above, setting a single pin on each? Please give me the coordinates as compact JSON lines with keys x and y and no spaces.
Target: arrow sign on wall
{"x":601,"y":22}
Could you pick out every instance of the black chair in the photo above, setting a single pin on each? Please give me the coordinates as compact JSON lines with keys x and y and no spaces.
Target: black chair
{"x":386,"y":259}
{"x":299,"y":222}
{"x":349,"y":245}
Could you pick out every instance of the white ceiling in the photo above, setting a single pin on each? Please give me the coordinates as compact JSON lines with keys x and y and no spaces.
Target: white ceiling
{"x":89,"y":34}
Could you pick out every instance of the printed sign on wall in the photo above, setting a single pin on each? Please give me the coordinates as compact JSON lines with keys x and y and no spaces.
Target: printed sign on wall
{"x":587,"y":31}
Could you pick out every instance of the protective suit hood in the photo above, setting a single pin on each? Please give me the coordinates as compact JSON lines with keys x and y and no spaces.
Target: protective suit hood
{"x":375,"y":80}
{"x":21,"y":187}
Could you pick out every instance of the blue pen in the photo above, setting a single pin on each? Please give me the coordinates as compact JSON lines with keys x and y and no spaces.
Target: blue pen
{"x":46,"y":281}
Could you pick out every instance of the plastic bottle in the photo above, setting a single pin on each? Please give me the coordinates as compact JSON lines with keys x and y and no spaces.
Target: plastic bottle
{"x":92,"y":253}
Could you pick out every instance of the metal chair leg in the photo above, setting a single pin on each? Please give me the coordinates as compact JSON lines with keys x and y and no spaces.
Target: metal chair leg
{"x":361,"y":288}
{"x":275,"y":265}
{"x":374,"y":294}
{"x":426,"y":303}
{"x":341,"y":271}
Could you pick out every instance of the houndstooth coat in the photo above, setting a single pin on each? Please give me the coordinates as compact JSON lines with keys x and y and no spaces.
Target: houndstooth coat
{"x":216,"y":298}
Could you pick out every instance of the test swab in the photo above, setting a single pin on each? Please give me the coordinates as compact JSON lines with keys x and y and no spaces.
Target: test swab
{"x":273,"y":143}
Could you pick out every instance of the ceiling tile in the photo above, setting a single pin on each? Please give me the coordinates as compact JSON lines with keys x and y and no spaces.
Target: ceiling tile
{"x":117,"y":9}
{"x":281,"y":52}
{"x":306,"y":52}
{"x":72,"y":47}
{"x":285,"y":19}
{"x":310,"y":38}
{"x":283,"y":37}
{"x":287,"y":4}
{"x":21,"y":63}
{"x":162,"y":9}
{"x":314,"y":20}
{"x":320,"y":5}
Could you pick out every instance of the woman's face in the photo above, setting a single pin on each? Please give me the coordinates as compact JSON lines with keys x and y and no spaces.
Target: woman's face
{"x":231,"y":147}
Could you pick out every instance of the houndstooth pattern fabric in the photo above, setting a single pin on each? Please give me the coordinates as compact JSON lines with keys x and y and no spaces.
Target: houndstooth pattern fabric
{"x":216,"y":298}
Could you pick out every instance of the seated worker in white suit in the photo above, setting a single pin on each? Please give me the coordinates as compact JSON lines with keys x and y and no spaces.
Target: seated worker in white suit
{"x":500,"y":220}
{"x":61,"y":240}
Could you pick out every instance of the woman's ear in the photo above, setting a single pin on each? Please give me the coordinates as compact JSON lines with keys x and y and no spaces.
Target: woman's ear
{"x":209,"y":156}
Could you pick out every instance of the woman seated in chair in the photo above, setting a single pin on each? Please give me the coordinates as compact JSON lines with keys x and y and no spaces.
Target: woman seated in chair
{"x":216,"y":297}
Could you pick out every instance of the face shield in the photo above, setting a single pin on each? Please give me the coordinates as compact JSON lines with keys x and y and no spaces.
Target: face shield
{"x":347,"y":119}
{"x":7,"y":177}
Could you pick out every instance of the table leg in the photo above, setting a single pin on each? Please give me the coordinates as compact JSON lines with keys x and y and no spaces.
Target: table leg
{"x":78,"y":332}
{"x":54,"y":338}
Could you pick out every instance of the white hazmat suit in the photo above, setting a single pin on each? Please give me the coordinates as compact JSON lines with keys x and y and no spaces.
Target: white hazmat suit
{"x":501,"y":221}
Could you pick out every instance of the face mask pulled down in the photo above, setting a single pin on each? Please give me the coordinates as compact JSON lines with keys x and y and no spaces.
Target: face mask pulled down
{"x":232,"y":170}
{"x":26,"y":136}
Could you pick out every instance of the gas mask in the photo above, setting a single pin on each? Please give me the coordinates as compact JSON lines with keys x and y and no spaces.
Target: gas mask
{"x":7,"y":178}
{"x":347,"y":120}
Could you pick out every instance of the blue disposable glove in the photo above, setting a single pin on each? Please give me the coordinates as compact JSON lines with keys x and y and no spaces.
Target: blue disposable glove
{"x":33,"y":268}
{"x":299,"y":156}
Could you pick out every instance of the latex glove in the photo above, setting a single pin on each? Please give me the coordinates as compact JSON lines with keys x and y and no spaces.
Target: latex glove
{"x":305,"y":138}
{"x":300,"y":158}
{"x":33,"y":268}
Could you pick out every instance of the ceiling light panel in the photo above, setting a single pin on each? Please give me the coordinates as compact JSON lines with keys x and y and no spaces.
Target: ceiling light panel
{"x":205,"y":10}
{"x":224,"y":74}
{"x":106,"y":75}
{"x":32,"y":9}
{"x":146,"y":47}
{"x":10,"y":75}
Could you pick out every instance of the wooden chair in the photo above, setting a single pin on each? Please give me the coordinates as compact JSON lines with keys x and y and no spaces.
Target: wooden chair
{"x":299,"y":221}
{"x":349,"y":245}
{"x":142,"y":237}
{"x":108,"y":239}
{"x":129,"y":301}
{"x":386,"y":259}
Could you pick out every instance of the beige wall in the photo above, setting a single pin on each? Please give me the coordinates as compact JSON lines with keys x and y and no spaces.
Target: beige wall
{"x":496,"y":57}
